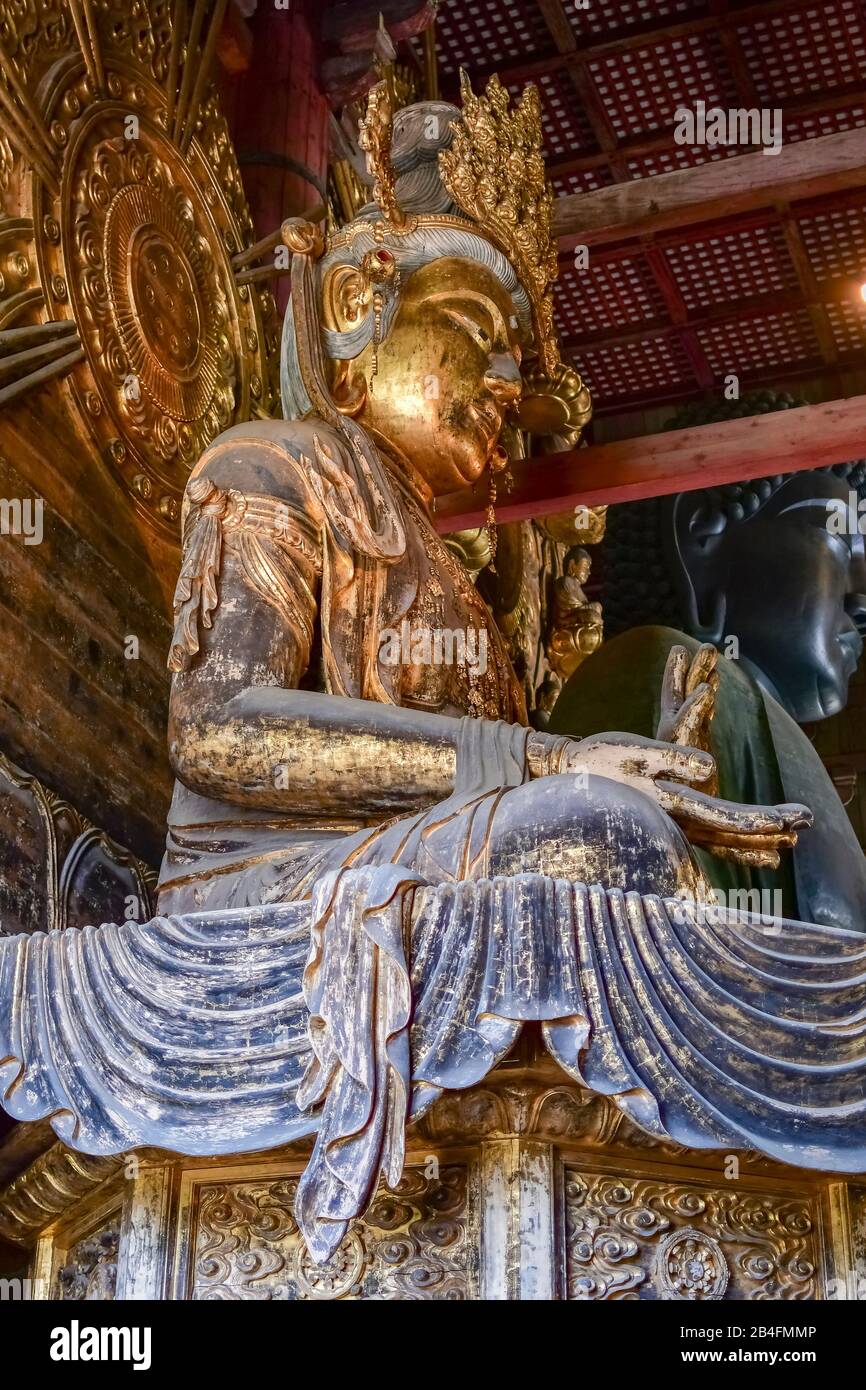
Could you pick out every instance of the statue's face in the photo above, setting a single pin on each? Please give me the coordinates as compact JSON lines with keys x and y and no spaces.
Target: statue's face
{"x":796,"y":596}
{"x":448,"y":372}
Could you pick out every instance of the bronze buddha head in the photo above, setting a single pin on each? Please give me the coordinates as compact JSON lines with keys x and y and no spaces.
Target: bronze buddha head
{"x":754,"y":568}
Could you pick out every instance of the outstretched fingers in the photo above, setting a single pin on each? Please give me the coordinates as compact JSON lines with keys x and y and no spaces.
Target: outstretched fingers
{"x":736,"y":831}
{"x":703,"y":668}
{"x":673,"y":691}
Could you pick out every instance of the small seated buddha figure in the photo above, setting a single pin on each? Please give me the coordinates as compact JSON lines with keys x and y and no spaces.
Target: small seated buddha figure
{"x":762,"y":572}
{"x":299,"y":747}
{"x":576,"y":623}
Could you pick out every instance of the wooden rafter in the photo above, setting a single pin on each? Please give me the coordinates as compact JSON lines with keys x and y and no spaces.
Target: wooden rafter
{"x":707,"y":192}
{"x":787,"y":376}
{"x":809,"y":286}
{"x":34,"y":354}
{"x":666,"y":283}
{"x":178,"y":32}
{"x":729,"y":37}
{"x":638,"y":147}
{"x":202,"y":66}
{"x":785,"y":441}
{"x":556,"y":19}
{"x":29,"y":108}
{"x":199,"y":7}
{"x":24,"y":126}
{"x":640,"y":218}
{"x":557,"y":22}
{"x":825,"y":292}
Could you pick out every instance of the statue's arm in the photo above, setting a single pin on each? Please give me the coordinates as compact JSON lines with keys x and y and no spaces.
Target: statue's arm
{"x":300,"y":751}
{"x":264,"y":744}
{"x":240,"y":729}
{"x":306,"y":752}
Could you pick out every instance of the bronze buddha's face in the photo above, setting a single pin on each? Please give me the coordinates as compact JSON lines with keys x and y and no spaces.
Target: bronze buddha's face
{"x":794,"y":594}
{"x":448,"y":372}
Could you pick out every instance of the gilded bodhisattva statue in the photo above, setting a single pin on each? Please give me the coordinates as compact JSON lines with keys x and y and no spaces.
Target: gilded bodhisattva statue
{"x":377,"y":872}
{"x":298,"y":749}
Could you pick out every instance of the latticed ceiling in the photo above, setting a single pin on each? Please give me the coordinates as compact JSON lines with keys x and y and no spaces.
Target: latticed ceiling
{"x":770,"y":295}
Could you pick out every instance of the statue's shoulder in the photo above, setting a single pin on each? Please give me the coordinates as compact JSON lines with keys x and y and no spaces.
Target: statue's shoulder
{"x":268,"y":458}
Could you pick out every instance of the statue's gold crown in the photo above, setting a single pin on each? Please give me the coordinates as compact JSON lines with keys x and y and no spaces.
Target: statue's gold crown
{"x":495,"y":173}
{"x":374,"y":136}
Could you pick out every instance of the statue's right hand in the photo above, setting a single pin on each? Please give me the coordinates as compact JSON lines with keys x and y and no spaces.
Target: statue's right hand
{"x":672,"y":775}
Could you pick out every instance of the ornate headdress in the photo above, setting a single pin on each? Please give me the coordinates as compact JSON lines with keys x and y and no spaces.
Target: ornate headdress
{"x":452,"y":182}
{"x":494,"y":173}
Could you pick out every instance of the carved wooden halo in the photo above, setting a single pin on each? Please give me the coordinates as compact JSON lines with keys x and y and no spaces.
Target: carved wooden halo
{"x":137,"y":213}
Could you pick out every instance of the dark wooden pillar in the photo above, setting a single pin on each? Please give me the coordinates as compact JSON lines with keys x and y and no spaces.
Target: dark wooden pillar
{"x":280,"y":115}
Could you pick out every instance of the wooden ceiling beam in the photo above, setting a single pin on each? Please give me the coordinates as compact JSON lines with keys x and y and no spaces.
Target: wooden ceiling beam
{"x":808,"y":281}
{"x":559,"y":27}
{"x":554,"y":15}
{"x":660,"y":269}
{"x":711,"y":191}
{"x":744,"y":83}
{"x":761,"y":218}
{"x":780,"y":376}
{"x":812,"y":436}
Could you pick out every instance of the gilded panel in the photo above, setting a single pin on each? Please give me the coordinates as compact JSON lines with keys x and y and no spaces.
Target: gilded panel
{"x":414,"y":1244}
{"x":89,"y":1270}
{"x":645,"y":1238}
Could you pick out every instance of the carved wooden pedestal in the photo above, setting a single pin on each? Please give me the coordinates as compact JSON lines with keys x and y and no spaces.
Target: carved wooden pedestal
{"x":525,"y":1188}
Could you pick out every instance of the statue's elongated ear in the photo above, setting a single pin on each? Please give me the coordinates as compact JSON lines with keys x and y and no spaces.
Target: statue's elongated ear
{"x":346,"y":297}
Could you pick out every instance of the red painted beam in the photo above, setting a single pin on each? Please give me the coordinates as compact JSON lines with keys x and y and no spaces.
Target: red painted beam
{"x":788,"y":441}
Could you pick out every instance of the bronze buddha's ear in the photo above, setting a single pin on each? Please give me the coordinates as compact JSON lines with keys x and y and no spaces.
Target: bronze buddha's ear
{"x":693,"y":534}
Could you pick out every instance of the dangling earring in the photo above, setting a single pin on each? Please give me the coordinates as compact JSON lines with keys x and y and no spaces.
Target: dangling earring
{"x":377,"y":335}
{"x":498,"y":462}
{"x":379,"y":268}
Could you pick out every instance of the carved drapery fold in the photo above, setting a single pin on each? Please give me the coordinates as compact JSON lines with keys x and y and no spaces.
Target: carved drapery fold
{"x":279,"y":552}
{"x":191,"y":1034}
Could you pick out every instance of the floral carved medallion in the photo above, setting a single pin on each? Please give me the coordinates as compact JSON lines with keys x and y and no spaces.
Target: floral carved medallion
{"x":132,"y":190}
{"x":691,"y":1265}
{"x":413,"y":1244}
{"x":643,"y":1237}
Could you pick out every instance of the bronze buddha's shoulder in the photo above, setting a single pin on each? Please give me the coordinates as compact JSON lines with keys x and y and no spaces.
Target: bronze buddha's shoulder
{"x":269,"y":458}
